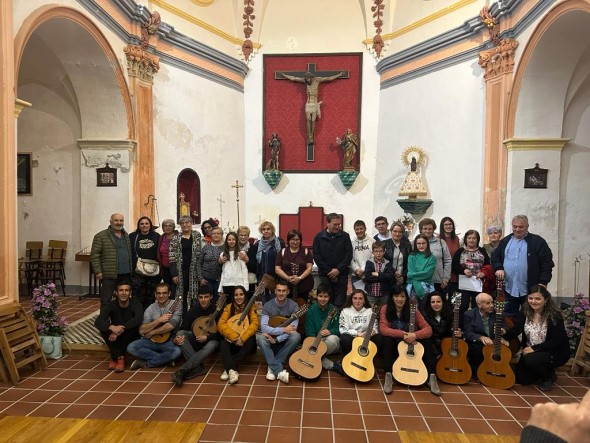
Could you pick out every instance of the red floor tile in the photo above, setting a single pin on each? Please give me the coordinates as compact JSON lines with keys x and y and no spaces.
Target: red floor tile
{"x":440,"y":424}
{"x":214,"y":432}
{"x":283,"y":434}
{"x":253,"y":434}
{"x":349,"y":436}
{"x":410,"y":424}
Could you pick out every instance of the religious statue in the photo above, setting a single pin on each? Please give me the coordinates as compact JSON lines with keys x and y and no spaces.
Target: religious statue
{"x":312,"y":106}
{"x":412,"y":185}
{"x":275,"y":148}
{"x":349,"y":144}
{"x":184,"y":206}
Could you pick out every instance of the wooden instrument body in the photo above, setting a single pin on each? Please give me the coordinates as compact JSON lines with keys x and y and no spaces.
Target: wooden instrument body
{"x":163,"y":338}
{"x":409,"y":369}
{"x":239,"y":323}
{"x":453,"y":367}
{"x":358,"y":363}
{"x":495,"y":370}
{"x":206,"y":324}
{"x":307,"y":362}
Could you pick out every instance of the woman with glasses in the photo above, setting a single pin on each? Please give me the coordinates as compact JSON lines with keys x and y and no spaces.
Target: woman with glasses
{"x":169,"y":229}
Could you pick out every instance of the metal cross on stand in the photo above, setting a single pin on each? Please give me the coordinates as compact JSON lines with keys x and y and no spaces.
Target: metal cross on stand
{"x":238,"y":186}
{"x":221,"y":202}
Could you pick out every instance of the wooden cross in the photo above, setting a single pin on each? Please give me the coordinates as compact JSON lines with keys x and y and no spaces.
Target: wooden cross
{"x":312,"y":96}
{"x":238,"y":186}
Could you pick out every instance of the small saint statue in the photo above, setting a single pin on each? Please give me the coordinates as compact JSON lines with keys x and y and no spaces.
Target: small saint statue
{"x":275,"y":148}
{"x":413,"y":186}
{"x":349,"y":144}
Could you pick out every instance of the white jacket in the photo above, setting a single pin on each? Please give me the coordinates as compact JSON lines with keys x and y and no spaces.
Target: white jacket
{"x":353,"y":321}
{"x":233,"y":273}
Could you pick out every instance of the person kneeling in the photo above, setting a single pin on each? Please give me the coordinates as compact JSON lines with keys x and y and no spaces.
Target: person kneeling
{"x":195,"y":348}
{"x":158,"y":322}
{"x":118,"y":323}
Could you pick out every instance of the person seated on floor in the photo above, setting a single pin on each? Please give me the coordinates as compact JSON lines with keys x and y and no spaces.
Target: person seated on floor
{"x":315,"y":318}
{"x":544,"y":342}
{"x":196,"y":348}
{"x":479,"y":329}
{"x":118,"y":323}
{"x":278,"y":343}
{"x":394,"y":325}
{"x":155,"y":347}
{"x":236,"y":346}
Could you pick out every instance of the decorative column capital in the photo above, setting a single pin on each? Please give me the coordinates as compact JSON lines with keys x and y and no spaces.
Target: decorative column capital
{"x":499,"y":59}
{"x":19,"y":105}
{"x":141,"y":63}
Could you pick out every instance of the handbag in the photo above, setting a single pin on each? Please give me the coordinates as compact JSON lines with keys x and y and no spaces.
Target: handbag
{"x":147,"y":267}
{"x":51,"y":346}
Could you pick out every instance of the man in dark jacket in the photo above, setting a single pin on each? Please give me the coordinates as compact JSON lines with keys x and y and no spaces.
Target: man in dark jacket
{"x":110,"y":257}
{"x":522,"y":260}
{"x":332,"y":253}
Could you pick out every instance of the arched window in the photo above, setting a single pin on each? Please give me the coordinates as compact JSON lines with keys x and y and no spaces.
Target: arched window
{"x":188,"y":195}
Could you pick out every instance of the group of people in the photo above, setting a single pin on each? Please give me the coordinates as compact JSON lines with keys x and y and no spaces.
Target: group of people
{"x":386,"y":271}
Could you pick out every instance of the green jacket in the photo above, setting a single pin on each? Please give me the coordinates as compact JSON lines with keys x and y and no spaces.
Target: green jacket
{"x":315,"y":318}
{"x":103,"y":255}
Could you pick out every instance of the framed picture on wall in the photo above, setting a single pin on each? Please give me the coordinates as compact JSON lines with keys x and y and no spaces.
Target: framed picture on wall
{"x":23,"y":173}
{"x":535,"y":177}
{"x":106,"y":176}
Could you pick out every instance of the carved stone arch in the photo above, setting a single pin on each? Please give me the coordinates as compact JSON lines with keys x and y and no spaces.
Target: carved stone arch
{"x":188,"y":189}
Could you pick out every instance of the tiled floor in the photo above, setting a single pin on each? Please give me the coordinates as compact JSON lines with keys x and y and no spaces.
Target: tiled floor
{"x":331,"y":409}
{"x":71,"y":308}
{"x":256,"y":410}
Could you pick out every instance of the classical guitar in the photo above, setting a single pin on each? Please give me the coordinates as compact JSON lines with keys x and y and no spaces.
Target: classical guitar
{"x":206,"y":324}
{"x":240,"y":322}
{"x":409,"y":369}
{"x":495,"y":370}
{"x":514,"y":344}
{"x":358,"y":363}
{"x":307,"y":362}
{"x":452,"y":367}
{"x":163,"y":338}
{"x":279,"y":321}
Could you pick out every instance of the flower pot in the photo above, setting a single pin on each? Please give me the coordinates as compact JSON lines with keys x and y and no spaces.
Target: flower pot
{"x":51,"y":346}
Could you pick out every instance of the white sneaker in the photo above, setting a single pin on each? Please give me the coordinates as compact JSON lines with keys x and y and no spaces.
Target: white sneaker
{"x":270,"y":376}
{"x":233,"y":376}
{"x":224,"y":376}
{"x":283,"y":376}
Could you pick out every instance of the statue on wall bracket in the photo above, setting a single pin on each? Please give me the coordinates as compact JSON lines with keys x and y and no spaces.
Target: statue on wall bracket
{"x":413,"y":187}
{"x":350,"y":147}
{"x":272,"y":174}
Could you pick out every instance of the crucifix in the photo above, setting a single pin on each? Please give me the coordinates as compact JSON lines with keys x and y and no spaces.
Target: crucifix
{"x":221,"y":202}
{"x":312,"y":80}
{"x":238,"y":186}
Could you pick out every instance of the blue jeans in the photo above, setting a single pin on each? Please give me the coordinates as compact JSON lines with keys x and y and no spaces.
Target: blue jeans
{"x":194,"y":358}
{"x":513,"y":304}
{"x":276,"y":354}
{"x":154,"y":354}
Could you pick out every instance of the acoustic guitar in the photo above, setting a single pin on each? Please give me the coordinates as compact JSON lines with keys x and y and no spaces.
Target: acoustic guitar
{"x":206,"y":324}
{"x":240,"y":322}
{"x":513,"y":344}
{"x":307,"y":362}
{"x":279,"y":321}
{"x":163,"y":338}
{"x":358,"y":363}
{"x":452,"y":367}
{"x":409,"y":369}
{"x":495,"y":370}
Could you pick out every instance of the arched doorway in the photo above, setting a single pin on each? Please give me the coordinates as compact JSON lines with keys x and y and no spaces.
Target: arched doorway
{"x":69,"y":73}
{"x":188,"y":192}
{"x":551,"y":99}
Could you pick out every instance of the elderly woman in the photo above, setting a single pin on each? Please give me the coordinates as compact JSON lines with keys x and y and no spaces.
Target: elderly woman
{"x":184,"y":253}
{"x":440,"y":251}
{"x":294,"y":264}
{"x":209,"y":265}
{"x":544,"y":340}
{"x":144,"y":249}
{"x":169,"y":228}
{"x":495,"y":235}
{"x":263,"y":254}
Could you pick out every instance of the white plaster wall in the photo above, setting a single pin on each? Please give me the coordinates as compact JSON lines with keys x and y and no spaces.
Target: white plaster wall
{"x":296,"y":190}
{"x":198,"y":124}
{"x":443,"y":114}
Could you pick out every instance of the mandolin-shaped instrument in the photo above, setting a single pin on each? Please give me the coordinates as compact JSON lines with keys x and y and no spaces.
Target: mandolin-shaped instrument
{"x":206,"y":324}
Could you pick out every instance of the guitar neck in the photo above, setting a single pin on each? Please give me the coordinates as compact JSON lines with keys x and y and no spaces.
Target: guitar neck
{"x":294,"y":271}
{"x":412,"y":326}
{"x":456,"y":310}
{"x":369,"y":330}
{"x":498,"y":328}
{"x":329,"y":318}
{"x":259,"y":290}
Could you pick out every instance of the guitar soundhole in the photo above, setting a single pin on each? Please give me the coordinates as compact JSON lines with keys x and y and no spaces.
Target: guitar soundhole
{"x":496,"y":357}
{"x":454,"y":353}
{"x":410,"y":353}
{"x":363,"y":352}
{"x":313,"y":350}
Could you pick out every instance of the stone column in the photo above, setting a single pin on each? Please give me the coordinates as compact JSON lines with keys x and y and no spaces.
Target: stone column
{"x":541,"y":206}
{"x":8,"y":207}
{"x":141,"y":67}
{"x":498,"y":65}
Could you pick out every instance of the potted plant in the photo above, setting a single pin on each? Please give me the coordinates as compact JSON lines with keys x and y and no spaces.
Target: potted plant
{"x":575,"y":320}
{"x":50,"y":326}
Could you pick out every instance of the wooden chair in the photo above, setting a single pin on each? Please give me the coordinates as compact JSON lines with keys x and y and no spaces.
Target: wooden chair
{"x":51,"y":268}
{"x":28,"y":266}
{"x":582,"y":358}
{"x":19,"y":342}
{"x":53,"y":251}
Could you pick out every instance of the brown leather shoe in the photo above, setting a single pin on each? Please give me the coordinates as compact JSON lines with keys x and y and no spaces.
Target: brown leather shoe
{"x":120,"y":364}
{"x":112,"y":365}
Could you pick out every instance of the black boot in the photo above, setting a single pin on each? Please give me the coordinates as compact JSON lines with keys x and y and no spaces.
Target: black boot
{"x":179,"y":376}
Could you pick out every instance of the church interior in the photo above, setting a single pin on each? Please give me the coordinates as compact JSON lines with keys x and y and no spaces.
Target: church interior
{"x":473,"y":109}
